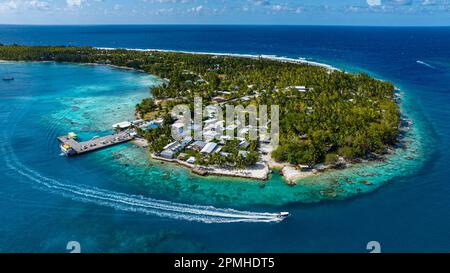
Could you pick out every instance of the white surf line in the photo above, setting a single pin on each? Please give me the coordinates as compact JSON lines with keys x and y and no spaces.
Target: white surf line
{"x":241,"y":55}
{"x":425,"y":64}
{"x":127,"y":202}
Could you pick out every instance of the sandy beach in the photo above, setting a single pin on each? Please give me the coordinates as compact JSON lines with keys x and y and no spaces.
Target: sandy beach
{"x":260,"y":171}
{"x":292,"y":174}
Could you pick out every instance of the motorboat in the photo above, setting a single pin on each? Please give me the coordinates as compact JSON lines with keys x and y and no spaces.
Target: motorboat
{"x":283,"y":214}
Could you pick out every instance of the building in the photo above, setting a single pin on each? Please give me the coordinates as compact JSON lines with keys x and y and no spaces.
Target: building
{"x":243,"y":153}
{"x":159,"y":121}
{"x":301,"y":88}
{"x":169,"y":154}
{"x":173,"y":148}
{"x":244,"y":144}
{"x":138,"y":122}
{"x":170,"y":145}
{"x":197,"y":145}
{"x":209,"y":148}
{"x":182,"y":156}
{"x":191,"y":160}
{"x":219,"y":99}
{"x":122,"y":125}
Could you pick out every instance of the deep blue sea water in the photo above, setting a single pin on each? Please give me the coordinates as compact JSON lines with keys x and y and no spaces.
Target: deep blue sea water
{"x":44,"y":202}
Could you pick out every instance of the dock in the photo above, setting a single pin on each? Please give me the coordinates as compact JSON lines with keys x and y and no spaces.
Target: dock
{"x":71,"y":147}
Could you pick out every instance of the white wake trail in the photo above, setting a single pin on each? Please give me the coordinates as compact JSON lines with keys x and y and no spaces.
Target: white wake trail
{"x":425,"y":64}
{"x":135,"y":203}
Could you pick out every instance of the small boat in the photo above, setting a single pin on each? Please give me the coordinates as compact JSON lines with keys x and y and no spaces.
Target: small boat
{"x":67,"y":150}
{"x":73,"y":136}
{"x":283,"y":214}
{"x":8,"y":78}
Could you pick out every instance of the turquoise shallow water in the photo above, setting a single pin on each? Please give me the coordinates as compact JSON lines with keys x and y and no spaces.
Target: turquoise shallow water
{"x":47,"y":200}
{"x":98,"y":97}
{"x":89,"y":99}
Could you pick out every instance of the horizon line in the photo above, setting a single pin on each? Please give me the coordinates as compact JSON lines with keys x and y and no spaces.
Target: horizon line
{"x":213,"y":24}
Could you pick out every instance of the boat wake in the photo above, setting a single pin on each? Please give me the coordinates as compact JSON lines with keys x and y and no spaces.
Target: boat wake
{"x":136,"y":203}
{"x":425,"y":64}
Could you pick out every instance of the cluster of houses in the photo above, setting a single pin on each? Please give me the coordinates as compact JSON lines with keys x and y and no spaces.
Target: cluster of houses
{"x":213,"y":132}
{"x":213,"y":141}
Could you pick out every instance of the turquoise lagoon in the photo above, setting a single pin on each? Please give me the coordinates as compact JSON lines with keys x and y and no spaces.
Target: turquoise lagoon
{"x":407,"y":208}
{"x":88,"y":99}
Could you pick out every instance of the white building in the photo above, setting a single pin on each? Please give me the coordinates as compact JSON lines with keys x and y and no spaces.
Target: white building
{"x":122,"y":125}
{"x":209,"y":148}
{"x":191,"y":160}
{"x":301,"y":88}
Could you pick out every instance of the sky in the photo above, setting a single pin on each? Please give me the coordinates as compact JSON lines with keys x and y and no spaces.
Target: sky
{"x":269,"y":12}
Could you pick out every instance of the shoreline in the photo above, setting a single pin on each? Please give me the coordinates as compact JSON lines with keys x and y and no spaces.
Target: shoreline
{"x":239,"y":55}
{"x":253,"y":173}
{"x":291,"y":173}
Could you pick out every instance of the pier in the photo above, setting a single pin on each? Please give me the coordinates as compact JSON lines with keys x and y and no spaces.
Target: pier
{"x":71,"y":147}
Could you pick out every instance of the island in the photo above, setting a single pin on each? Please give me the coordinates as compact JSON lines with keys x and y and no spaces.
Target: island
{"x":327,"y":118}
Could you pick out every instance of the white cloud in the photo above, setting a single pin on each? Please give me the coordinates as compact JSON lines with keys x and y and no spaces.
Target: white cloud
{"x":23,"y":5}
{"x":280,"y":7}
{"x":10,"y":5}
{"x":38,"y":4}
{"x":74,"y":3}
{"x":197,"y":9}
{"x":374,"y":3}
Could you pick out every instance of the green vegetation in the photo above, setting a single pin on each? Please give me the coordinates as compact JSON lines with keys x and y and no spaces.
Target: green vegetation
{"x":350,"y":115}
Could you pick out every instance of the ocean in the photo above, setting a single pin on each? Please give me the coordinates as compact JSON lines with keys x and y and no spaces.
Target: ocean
{"x":116,"y":200}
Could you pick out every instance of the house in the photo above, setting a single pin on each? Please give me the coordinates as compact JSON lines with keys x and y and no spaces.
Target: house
{"x":197,"y":145}
{"x":226,"y":137}
{"x":224,"y":92}
{"x":169,"y":154}
{"x":159,"y":121}
{"x":301,"y":88}
{"x":191,"y":160}
{"x":122,"y":125}
{"x":210,"y":135}
{"x":219,"y":99}
{"x":186,"y":141}
{"x":170,"y":145}
{"x":138,"y":122}
{"x":243,"y":153}
{"x":244,"y":144}
{"x":182,"y":156}
{"x":209,"y":148}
